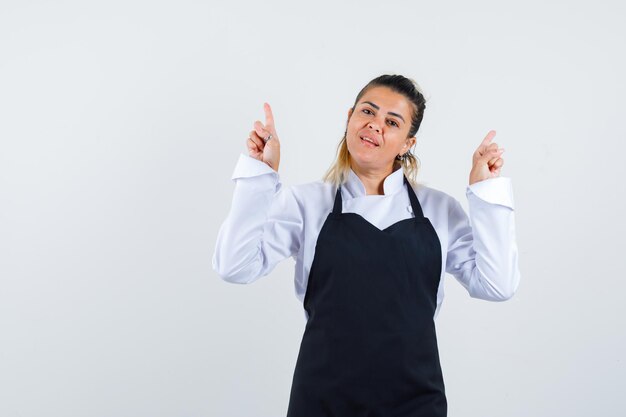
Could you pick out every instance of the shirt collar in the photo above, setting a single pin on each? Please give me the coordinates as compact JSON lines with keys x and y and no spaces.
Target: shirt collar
{"x":393,"y":183}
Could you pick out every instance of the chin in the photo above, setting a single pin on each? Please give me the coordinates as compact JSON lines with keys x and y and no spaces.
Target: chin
{"x":367,"y":160}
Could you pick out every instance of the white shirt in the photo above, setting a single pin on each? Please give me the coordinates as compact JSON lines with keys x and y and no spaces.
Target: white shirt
{"x":268,"y":222}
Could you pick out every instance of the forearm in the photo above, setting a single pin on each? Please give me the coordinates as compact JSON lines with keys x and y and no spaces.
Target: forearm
{"x":492,"y":219}
{"x":496,"y":274}
{"x":238,"y":257}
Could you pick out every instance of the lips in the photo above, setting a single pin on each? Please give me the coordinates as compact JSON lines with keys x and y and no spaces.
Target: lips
{"x":371,"y":139}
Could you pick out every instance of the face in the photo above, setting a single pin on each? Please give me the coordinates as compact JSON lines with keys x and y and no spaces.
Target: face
{"x":383,"y":116}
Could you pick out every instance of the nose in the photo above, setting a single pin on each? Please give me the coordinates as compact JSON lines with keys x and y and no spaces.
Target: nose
{"x":374,"y":126}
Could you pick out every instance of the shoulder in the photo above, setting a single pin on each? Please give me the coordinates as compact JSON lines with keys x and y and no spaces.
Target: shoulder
{"x":313,"y":191}
{"x":433,"y":199}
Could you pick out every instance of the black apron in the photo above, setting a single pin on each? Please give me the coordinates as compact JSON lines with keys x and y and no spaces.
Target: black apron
{"x":369,"y":347}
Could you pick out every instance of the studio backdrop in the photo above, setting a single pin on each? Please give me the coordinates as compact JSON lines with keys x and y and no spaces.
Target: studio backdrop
{"x":120,"y":127}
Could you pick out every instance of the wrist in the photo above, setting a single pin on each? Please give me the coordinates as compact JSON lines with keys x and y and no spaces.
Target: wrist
{"x":271,"y":165}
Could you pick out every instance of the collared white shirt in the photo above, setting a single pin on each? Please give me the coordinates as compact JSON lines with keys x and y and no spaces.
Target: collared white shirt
{"x":269,"y":222}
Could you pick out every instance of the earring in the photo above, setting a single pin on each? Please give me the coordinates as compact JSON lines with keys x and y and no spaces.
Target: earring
{"x":403,"y":157}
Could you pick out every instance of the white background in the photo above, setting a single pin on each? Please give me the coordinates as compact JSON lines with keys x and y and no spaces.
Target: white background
{"x":120,"y":126}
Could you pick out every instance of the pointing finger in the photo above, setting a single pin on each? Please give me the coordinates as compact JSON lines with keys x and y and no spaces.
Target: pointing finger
{"x":487,"y":139}
{"x":269,"y":117}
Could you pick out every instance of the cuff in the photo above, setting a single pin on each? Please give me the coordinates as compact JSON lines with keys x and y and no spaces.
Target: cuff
{"x":248,"y":166}
{"x":498,"y":190}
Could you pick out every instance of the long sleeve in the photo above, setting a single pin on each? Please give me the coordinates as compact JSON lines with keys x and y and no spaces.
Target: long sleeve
{"x":482,"y":252}
{"x":263,"y":226}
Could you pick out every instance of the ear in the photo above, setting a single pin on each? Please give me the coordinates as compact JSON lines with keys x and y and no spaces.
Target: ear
{"x":410,"y":142}
{"x":349,"y":115}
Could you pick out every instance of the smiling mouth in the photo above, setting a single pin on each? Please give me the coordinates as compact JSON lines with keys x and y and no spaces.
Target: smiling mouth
{"x":364,"y":139}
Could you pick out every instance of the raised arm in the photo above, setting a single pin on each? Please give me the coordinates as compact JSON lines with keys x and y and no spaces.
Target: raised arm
{"x":265,"y":224}
{"x":482,"y":251}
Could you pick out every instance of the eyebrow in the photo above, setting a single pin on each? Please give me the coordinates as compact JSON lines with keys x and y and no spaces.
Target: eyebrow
{"x":378,"y":108}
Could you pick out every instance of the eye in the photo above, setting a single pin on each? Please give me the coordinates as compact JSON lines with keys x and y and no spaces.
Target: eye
{"x":367,"y":110}
{"x":393,"y":122}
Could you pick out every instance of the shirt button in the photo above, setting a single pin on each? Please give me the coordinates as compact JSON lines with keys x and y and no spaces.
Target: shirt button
{"x":410,"y":209}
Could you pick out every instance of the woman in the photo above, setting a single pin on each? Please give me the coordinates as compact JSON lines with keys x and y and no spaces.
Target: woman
{"x":371,"y":249}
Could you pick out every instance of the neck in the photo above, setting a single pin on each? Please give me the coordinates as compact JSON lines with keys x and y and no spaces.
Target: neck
{"x":372,"y":178}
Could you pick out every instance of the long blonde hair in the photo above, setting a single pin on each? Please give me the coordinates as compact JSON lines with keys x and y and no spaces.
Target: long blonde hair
{"x":338,"y":172}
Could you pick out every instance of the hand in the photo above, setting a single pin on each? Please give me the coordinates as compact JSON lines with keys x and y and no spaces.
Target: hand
{"x":268,"y":152}
{"x":487,"y":160}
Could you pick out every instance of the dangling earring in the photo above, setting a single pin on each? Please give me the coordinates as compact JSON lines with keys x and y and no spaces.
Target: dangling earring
{"x":403,"y":157}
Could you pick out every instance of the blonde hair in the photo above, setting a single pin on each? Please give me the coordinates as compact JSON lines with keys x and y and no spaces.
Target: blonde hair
{"x":338,"y":172}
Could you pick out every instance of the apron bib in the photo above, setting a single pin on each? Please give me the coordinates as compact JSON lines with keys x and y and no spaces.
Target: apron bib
{"x":369,"y":347}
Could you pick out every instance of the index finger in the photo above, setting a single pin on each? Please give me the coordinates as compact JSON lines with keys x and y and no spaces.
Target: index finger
{"x":269,"y":117}
{"x":487,"y":139}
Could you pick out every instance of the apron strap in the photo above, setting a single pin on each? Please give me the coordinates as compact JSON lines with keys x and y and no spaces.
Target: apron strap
{"x":417,"y":208}
{"x":337,"y":206}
